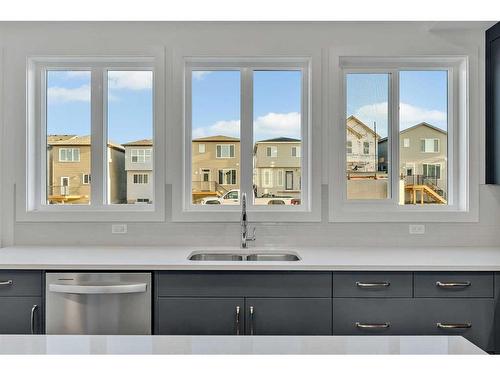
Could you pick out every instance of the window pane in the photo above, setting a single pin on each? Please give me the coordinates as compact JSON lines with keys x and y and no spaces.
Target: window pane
{"x":423,"y":137}
{"x":277,"y":129}
{"x":367,"y":98}
{"x":215,"y":103}
{"x":68,"y":136}
{"x":130,"y":137}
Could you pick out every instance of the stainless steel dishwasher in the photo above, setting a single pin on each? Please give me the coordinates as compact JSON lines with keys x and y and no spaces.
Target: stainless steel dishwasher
{"x":98,"y":303}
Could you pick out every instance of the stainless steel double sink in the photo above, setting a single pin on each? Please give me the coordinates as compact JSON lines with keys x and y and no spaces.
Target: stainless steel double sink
{"x":248,"y":257}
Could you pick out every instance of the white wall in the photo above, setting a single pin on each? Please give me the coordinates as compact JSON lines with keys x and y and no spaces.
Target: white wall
{"x":320,"y":41}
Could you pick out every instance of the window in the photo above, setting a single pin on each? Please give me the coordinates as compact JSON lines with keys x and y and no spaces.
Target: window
{"x":69,"y":154}
{"x":415,"y":111}
{"x":272,"y":151}
{"x":85,"y":179}
{"x":366,"y":148}
{"x":252,"y":116}
{"x":201,"y":148}
{"x":429,"y":145}
{"x":227,"y":177}
{"x":143,"y":200}
{"x":225,"y":151}
{"x":140,"y":178}
{"x":93,"y":116}
{"x":140,"y":155}
{"x":349,"y":147}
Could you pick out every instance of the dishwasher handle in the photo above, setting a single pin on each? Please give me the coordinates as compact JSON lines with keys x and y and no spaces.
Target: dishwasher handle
{"x":98,"y":289}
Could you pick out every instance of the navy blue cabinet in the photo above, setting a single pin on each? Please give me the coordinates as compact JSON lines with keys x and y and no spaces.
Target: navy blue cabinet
{"x":492,"y":173}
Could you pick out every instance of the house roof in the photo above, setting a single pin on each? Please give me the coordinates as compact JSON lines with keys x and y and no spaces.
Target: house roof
{"x":424,"y":124}
{"x":279,"y":139}
{"x":358,"y":121}
{"x":76,"y":140}
{"x":217,"y":138}
{"x":140,"y":142}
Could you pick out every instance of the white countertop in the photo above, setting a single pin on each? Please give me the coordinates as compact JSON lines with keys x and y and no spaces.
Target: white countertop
{"x":314,"y":258}
{"x":74,"y":344}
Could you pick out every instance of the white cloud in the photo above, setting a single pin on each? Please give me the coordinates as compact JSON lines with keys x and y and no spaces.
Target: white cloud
{"x":62,"y":94}
{"x":410,"y":115}
{"x":270,"y":125}
{"x":78,"y":74}
{"x":130,"y":80}
{"x":198,"y":75}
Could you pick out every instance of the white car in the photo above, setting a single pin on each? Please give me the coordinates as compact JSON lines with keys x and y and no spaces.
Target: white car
{"x":233,"y":197}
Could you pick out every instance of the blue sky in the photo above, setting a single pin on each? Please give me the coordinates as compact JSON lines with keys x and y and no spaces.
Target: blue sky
{"x":129,"y":104}
{"x":423,"y":98}
{"x":216,"y":102}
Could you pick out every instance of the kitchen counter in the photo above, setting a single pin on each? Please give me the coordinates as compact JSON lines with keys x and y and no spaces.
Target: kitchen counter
{"x":314,"y":258}
{"x":68,"y":344}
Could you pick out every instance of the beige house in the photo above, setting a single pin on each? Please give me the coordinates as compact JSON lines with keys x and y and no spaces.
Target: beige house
{"x":215,"y":166}
{"x":277,"y":167}
{"x":361,"y":146}
{"x":139,"y":168}
{"x":423,"y":163}
{"x":68,"y":170}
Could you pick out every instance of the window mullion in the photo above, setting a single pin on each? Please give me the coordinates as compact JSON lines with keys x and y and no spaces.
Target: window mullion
{"x":246,"y":131}
{"x":393,"y":141}
{"x":98,"y":140}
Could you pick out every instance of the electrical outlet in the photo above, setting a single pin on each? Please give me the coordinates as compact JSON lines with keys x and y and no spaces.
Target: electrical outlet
{"x":119,"y":228}
{"x":417,"y":228}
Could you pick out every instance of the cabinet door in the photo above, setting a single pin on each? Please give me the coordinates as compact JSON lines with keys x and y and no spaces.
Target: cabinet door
{"x":200,"y":316}
{"x":288,"y":316}
{"x":18,"y":315}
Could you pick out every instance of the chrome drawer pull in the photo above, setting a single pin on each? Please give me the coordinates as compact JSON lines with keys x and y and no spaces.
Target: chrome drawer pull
{"x":383,"y":284}
{"x":252,"y":327}
{"x":373,"y":325}
{"x":6,"y":283}
{"x":32,"y":319}
{"x":464,"y":284}
{"x":454,"y":326}
{"x":237,"y":320}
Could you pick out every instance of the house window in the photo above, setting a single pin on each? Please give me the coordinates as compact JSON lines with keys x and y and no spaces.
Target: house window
{"x":272,"y":151}
{"x":280,"y":174}
{"x":272,"y":96}
{"x":140,"y":178}
{"x":225,"y":151}
{"x":398,"y":103}
{"x":267,"y":178}
{"x":86,"y":179}
{"x":349,"y":147}
{"x":140,"y":155}
{"x":227,"y":177}
{"x":96,"y":112}
{"x":429,"y":145}
{"x":201,"y":148}
{"x":366,"y":148}
{"x":69,"y":155}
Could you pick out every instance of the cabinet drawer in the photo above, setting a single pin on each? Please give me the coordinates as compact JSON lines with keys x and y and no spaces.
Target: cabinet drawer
{"x":372,"y":316}
{"x":200,"y":316}
{"x":15,"y":315}
{"x":372,"y":284}
{"x":471,"y":318}
{"x":288,"y":316}
{"x":20,"y":283}
{"x":454,"y":284}
{"x":244,"y":284}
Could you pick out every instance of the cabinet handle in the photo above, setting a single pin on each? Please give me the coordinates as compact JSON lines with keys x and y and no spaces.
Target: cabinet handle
{"x":382,"y":284}
{"x":237,"y":320}
{"x":252,"y":327}
{"x":32,"y":323}
{"x":373,"y":325}
{"x":6,"y":283}
{"x":453,"y":284}
{"x":454,"y":325}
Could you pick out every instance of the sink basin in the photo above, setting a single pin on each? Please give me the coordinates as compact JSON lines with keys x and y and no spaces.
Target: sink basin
{"x":276,"y":257}
{"x":217,"y":257}
{"x":251,"y":257}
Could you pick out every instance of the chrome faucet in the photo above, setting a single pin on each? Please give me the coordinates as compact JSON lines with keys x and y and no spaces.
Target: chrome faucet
{"x":244,"y":223}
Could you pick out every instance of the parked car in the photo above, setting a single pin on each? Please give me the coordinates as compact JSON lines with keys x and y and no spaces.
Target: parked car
{"x":233,"y":197}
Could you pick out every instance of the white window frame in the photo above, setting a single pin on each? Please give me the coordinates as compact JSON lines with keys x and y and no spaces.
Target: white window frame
{"x":224,"y":171}
{"x":272,"y":151}
{"x":187,"y":211}
{"x":433,"y":143}
{"x":141,"y":159}
{"x":269,"y":173}
{"x":32,"y":205}
{"x":88,"y":177}
{"x":73,"y":160}
{"x":297,"y":151}
{"x":280,"y":178}
{"x":460,"y":194}
{"x":202,"y":148}
{"x":229,"y":146}
{"x":406,"y":142}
